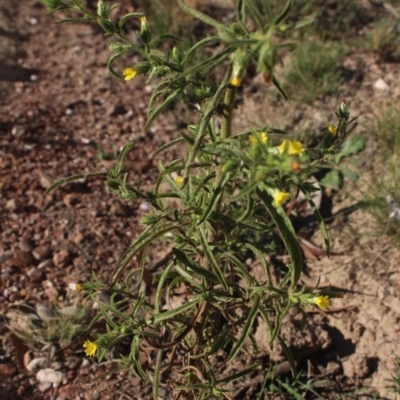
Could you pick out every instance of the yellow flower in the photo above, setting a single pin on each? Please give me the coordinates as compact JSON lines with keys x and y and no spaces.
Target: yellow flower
{"x":236,"y":81}
{"x":129,"y":73}
{"x":90,"y":348}
{"x":179,"y":180}
{"x":281,"y":198}
{"x":263,"y":137}
{"x":332,"y":129}
{"x":78,"y":286}
{"x":293,"y":147}
{"x":322,"y":302}
{"x":143,"y":20}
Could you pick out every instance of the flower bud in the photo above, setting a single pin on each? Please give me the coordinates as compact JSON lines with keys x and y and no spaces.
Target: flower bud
{"x":240,"y":61}
{"x":176,"y":56}
{"x":145,"y":32}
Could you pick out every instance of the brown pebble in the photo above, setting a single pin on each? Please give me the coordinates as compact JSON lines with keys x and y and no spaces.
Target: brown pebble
{"x":41,"y":252}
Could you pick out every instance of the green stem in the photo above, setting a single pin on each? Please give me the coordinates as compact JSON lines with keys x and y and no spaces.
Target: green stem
{"x":226,"y":130}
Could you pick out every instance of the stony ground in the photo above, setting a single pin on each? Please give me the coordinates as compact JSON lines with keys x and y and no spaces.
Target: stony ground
{"x":62,"y":113}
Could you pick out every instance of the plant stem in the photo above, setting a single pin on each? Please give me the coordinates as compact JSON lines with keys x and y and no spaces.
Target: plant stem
{"x":226,"y":130}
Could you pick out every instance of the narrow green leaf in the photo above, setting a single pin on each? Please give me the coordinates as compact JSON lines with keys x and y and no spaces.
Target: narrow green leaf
{"x":163,"y":37}
{"x":202,"y":17}
{"x":162,"y":107}
{"x":257,"y":17}
{"x":166,"y":315}
{"x":167,"y":145}
{"x":214,"y":60}
{"x":284,"y":12}
{"x":288,"y":355}
{"x":182,"y":257}
{"x":189,"y":54}
{"x":238,"y":375}
{"x":110,"y":65}
{"x":118,"y":167}
{"x":261,"y":257}
{"x":169,"y":180}
{"x":238,"y":265}
{"x":288,"y":235}
{"x":147,"y":236}
{"x":279,"y":87}
{"x":248,"y":190}
{"x":189,"y":138}
{"x":128,"y":16}
{"x":210,"y":176}
{"x":249,"y":209}
{"x":320,"y":220}
{"x":246,"y":329}
{"x":164,"y":276}
{"x":217,"y":193}
{"x":157,"y":373}
{"x":211,"y":259}
{"x":73,"y":178}
{"x":268,"y":12}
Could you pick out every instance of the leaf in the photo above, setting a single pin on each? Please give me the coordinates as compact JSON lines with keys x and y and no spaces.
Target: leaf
{"x":351,"y":146}
{"x":118,"y":167}
{"x":161,"y":108}
{"x":72,"y":178}
{"x":238,"y":375}
{"x":128,"y":16}
{"x":182,"y":257}
{"x":211,"y":259}
{"x":167,"y":145}
{"x":349,"y":173}
{"x":246,"y":329}
{"x":288,"y":235}
{"x":217,"y":193}
{"x":202,"y":17}
{"x":189,"y":54}
{"x":147,"y":236}
{"x":284,"y":12}
{"x":162,"y":37}
{"x":331,"y":179}
{"x":279,"y":87}
{"x":320,"y":220}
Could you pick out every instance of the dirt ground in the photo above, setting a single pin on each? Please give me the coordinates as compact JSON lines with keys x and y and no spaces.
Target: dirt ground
{"x":62,"y":113}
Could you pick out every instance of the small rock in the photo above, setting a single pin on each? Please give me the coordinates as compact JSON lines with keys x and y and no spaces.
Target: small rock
{"x":35,"y":274}
{"x":41,"y":252}
{"x":69,"y":391}
{"x":23,"y":256}
{"x":36,"y":364}
{"x":48,"y":375}
{"x":11,"y":205}
{"x":77,"y":238}
{"x":61,"y":259}
{"x":25,"y":245}
{"x":44,"y":181}
{"x":45,"y":313}
{"x":45,"y":264}
{"x":44,"y":386}
{"x":7,"y":371}
{"x":17,"y":130}
{"x":380,"y":84}
{"x":5,"y":256}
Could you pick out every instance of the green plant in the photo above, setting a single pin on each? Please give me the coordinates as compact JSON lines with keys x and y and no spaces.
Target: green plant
{"x":382,"y":39}
{"x":314,"y":71}
{"x":395,"y":387}
{"x":227,"y":184}
{"x":41,"y":325}
{"x":384,"y":195}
